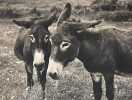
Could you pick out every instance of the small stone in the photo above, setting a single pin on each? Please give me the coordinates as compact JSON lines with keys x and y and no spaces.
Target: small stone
{"x":91,"y":94}
{"x":7,"y":79}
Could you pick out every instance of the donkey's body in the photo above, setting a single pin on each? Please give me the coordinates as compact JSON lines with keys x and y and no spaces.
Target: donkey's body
{"x":106,"y":51}
{"x":103,"y":52}
{"x":25,"y":50}
{"x":33,"y":47}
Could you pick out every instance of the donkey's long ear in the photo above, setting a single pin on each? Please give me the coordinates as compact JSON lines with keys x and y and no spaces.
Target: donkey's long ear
{"x":26,"y":24}
{"x":52,"y":17}
{"x":48,"y":21}
{"x":65,"y":14}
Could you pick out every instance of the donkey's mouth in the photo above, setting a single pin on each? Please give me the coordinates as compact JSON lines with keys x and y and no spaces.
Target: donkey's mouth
{"x":54,"y":76}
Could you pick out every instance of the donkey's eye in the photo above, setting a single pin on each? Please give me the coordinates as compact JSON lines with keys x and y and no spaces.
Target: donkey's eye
{"x":32,"y":38}
{"x":46,"y":38}
{"x":65,"y":45}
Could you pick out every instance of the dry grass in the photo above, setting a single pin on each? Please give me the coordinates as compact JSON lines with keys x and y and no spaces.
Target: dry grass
{"x":75,"y":84}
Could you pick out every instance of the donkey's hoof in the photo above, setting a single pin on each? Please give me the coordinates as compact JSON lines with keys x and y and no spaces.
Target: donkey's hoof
{"x":45,"y":99}
{"x":43,"y":96}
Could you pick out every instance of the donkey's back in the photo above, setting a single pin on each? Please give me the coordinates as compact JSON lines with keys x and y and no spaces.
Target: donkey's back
{"x":124,"y":51}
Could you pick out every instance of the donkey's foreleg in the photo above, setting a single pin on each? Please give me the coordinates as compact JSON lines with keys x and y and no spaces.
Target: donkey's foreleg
{"x":97,"y":85}
{"x":29,"y":70}
{"x":38,"y":74}
{"x":43,"y":82}
{"x":109,"y":81}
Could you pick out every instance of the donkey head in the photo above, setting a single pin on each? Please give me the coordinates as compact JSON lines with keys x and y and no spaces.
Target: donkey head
{"x":64,"y":46}
{"x":37,"y":44}
{"x":65,"y":43}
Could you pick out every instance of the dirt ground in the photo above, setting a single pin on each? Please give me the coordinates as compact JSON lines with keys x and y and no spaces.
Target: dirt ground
{"x":76,"y":83}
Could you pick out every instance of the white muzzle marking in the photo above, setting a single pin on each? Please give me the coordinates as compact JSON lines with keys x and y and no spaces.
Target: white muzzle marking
{"x":38,"y":57}
{"x":54,"y":67}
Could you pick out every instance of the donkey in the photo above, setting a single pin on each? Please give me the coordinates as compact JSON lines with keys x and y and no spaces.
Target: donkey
{"x":103,"y":52}
{"x":34,"y":47}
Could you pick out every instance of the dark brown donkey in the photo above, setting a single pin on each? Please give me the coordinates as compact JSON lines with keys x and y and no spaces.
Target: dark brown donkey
{"x":102,"y":51}
{"x":34,"y":47}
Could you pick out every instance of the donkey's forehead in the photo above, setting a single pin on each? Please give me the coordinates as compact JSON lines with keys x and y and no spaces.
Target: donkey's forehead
{"x":59,"y":37}
{"x":56,"y":38}
{"x":39,"y":29}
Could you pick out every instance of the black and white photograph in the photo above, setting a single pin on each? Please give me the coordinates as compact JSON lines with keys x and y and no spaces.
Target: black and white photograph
{"x":65,"y":49}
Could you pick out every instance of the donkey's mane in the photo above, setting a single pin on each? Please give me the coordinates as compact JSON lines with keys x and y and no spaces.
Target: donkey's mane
{"x":75,"y":26}
{"x":83,"y":30}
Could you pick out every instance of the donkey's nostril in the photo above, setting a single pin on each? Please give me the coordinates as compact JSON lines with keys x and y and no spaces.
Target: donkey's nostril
{"x":39,"y":65}
{"x":54,"y":75}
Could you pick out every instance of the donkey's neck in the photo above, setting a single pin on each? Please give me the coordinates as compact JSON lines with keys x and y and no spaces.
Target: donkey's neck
{"x":88,"y":50}
{"x":91,"y":52}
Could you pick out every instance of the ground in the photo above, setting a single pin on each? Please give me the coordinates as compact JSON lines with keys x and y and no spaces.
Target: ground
{"x":75,"y":84}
